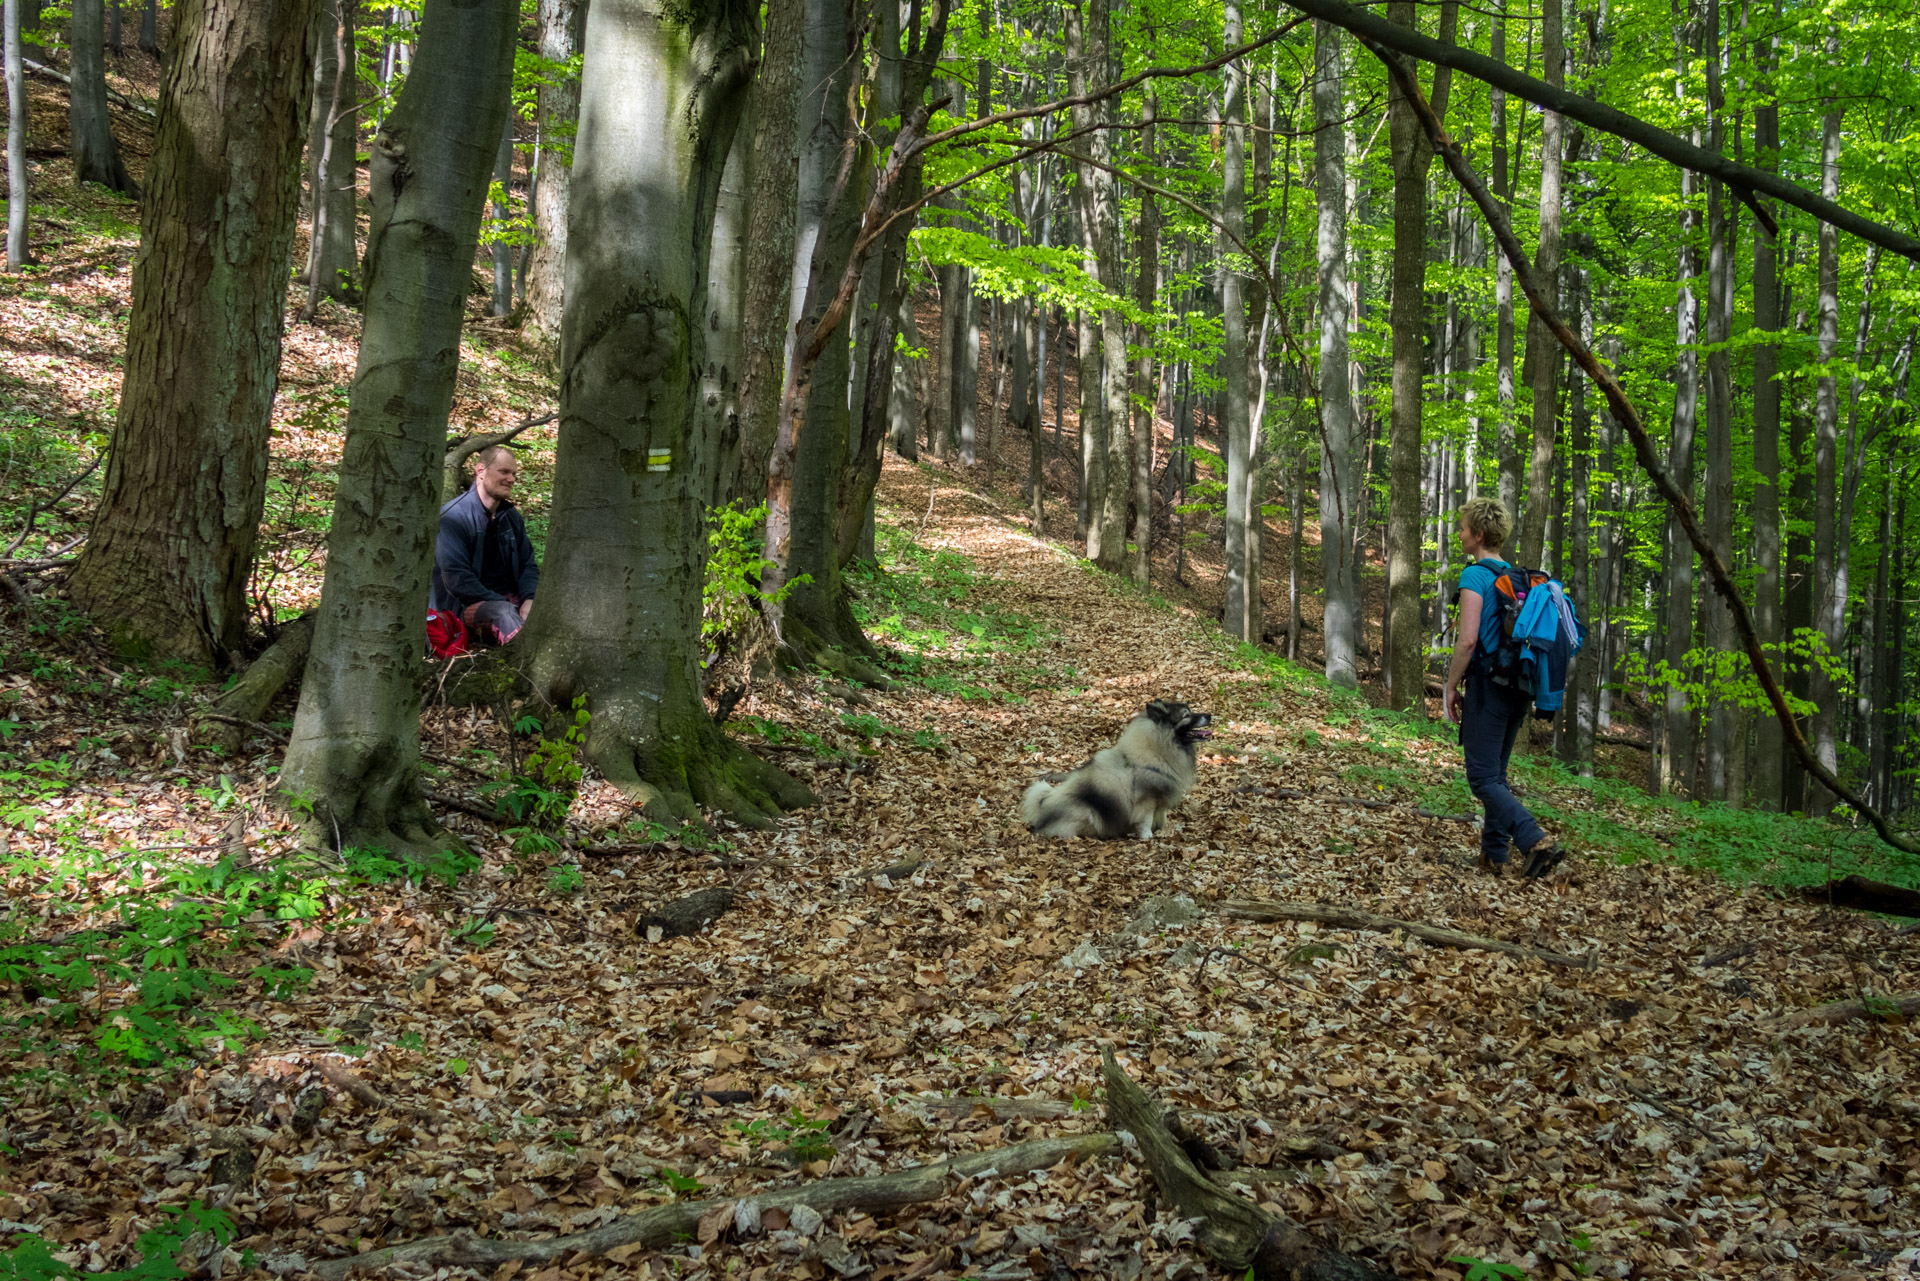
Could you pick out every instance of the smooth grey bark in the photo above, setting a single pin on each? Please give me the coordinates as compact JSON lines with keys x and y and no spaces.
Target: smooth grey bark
{"x":1085,"y":63}
{"x":965,"y":414}
{"x":662,"y":94}
{"x":1543,"y":353}
{"x":96,"y":156}
{"x":1103,"y":203}
{"x":502,"y":252}
{"x":1764,"y":774}
{"x":726,"y":296}
{"x":940,"y":424}
{"x":333,"y":135}
{"x":1339,"y":488}
{"x":166,"y":563}
{"x":150,"y":28}
{"x":1583,"y":683}
{"x":1829,"y":606}
{"x":903,"y":407}
{"x":772,"y":213}
{"x":355,"y":748}
{"x":16,"y":141}
{"x":1725,"y":726}
{"x":113,"y":27}
{"x":1242,"y":617}
{"x":1508,"y":442}
{"x":558,"y":107}
{"x":1146,"y":294}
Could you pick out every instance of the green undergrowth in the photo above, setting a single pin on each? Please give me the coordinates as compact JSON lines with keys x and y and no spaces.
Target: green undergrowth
{"x":938,"y":630}
{"x":160,"y":1247}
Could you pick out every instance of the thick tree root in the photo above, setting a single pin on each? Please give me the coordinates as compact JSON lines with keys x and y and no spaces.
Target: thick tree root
{"x":834,"y":643}
{"x":713,"y":772}
{"x":662,"y":1225}
{"x":1352,"y":918}
{"x":1237,"y":1234}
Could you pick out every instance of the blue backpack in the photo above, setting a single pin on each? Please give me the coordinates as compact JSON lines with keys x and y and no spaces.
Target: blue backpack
{"x":1539,"y":632}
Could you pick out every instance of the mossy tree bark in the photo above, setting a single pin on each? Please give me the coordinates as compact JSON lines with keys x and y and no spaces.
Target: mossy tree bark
{"x":166,"y":564}
{"x":661,"y":98}
{"x":356,"y":737}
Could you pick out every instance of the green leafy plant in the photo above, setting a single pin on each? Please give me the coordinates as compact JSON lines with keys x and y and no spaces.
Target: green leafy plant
{"x":677,"y":1183}
{"x":736,"y":563}
{"x":565,"y":879}
{"x":32,"y":1259}
{"x":1486,"y":1269}
{"x":801,"y":1137}
{"x":475,"y":932}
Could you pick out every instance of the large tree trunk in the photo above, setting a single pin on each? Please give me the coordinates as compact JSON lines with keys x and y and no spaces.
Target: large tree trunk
{"x":1829,"y":605}
{"x":1084,"y":68}
{"x":662,"y":95}
{"x":1339,"y":487}
{"x":333,"y":139}
{"x":1104,"y":203}
{"x":1146,"y":294}
{"x":1543,"y":354}
{"x":1242,"y":616}
{"x":558,"y":105}
{"x":96,"y":156}
{"x":166,"y":565}
{"x":16,"y":141}
{"x":1765,"y":773}
{"x":356,"y":738}
{"x":1508,"y":447}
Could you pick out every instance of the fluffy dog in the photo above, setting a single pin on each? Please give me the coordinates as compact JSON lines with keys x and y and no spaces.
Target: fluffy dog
{"x":1129,"y":787}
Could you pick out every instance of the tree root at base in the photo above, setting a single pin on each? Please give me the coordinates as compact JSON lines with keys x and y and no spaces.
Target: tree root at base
{"x":719,"y":774}
{"x":662,"y":1225}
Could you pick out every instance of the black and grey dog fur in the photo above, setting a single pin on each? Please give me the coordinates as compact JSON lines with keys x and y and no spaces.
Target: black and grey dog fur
{"x":1130,"y":787}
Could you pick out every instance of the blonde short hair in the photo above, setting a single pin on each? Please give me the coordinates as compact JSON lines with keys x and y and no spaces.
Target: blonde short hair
{"x":1489,"y":521}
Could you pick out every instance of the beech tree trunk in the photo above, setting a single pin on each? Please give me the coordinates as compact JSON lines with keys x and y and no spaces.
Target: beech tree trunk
{"x":1509,"y":443}
{"x":16,"y":141}
{"x":1339,"y":483}
{"x":662,"y":95}
{"x":333,"y":137}
{"x":1242,"y":616}
{"x":96,"y":156}
{"x":500,"y":250}
{"x":150,"y":28}
{"x":1725,"y":727}
{"x":355,"y":748}
{"x":1765,"y":773}
{"x":1146,"y":294}
{"x":558,"y":105}
{"x":1829,"y":605}
{"x":166,"y":564}
{"x":1543,"y":353}
{"x":1104,"y":204}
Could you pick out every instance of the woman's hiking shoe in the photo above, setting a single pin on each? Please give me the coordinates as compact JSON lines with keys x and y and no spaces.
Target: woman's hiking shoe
{"x":1543,"y":858}
{"x":1490,"y":867}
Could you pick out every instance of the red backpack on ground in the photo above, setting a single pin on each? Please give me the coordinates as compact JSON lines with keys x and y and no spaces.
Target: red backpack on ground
{"x":446,"y":634}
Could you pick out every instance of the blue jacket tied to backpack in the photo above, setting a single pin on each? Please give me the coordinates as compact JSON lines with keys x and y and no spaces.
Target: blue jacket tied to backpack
{"x":1530,"y":632}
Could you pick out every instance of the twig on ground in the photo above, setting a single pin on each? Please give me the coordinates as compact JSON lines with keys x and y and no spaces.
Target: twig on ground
{"x":1353,"y":918}
{"x":661,"y":1225}
{"x":1877,"y":1007}
{"x":340,"y":1078}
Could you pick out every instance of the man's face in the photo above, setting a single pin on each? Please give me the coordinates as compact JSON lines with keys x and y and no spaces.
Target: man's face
{"x":496,"y":479}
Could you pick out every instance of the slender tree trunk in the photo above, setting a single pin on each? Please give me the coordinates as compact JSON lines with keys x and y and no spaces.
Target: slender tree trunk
{"x":1543,"y":353}
{"x":966,"y":369}
{"x":663,"y":92}
{"x":1829,"y":604}
{"x":356,"y":738}
{"x":1582,"y":682}
{"x":558,"y":107}
{"x":1509,"y":444}
{"x":728,"y":256}
{"x":113,"y":28}
{"x":1242,"y":617}
{"x":1146,"y":295}
{"x":1876,"y":695}
{"x":150,"y":28}
{"x":333,"y":142}
{"x":165,"y":568}
{"x":1339,"y":487}
{"x":16,"y":142}
{"x":1765,"y":773}
{"x":96,"y":156}
{"x":1724,"y":726}
{"x":903,"y":408}
{"x":501,"y":251}
{"x":940,"y":424}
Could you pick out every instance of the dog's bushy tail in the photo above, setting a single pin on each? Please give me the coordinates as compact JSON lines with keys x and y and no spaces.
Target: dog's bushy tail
{"x":1036,"y":797}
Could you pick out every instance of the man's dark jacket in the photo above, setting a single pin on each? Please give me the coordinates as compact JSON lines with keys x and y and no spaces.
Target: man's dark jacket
{"x":460,"y":554}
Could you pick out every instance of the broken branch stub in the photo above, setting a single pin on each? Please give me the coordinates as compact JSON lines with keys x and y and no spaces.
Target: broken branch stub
{"x":1353,"y":918}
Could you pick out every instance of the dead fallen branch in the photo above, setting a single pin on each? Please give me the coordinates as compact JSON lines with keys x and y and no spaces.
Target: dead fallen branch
{"x":1863,"y":895}
{"x":1353,"y":918}
{"x":664,"y":1224}
{"x":241,"y":707}
{"x":1235,"y":1233}
{"x":347,"y":1083}
{"x":1873,"y":1007}
{"x":460,"y":450}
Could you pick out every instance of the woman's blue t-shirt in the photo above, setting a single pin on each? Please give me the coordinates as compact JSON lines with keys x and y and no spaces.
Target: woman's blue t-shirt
{"x":1479,"y":579}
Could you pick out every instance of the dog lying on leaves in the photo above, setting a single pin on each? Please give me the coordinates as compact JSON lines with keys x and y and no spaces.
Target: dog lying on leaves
{"x":1129,"y":787}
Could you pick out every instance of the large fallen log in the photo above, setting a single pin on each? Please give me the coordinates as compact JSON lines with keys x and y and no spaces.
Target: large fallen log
{"x":1353,"y":918}
{"x":662,"y":1225}
{"x":1863,"y":895}
{"x":1874,"y":1007}
{"x":1237,"y":1234}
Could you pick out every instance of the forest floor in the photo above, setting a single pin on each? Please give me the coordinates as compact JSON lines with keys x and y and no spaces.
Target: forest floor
{"x":203,"y":1027}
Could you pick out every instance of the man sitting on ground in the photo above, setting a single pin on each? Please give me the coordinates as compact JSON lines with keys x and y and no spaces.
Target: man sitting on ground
{"x":483,"y":566}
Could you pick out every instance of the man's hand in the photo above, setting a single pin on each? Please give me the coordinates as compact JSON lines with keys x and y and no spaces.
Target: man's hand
{"x":525,"y":605}
{"x":1452,"y":701}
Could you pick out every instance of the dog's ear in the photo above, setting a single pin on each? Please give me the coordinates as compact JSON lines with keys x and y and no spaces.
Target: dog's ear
{"x":1160,"y":710}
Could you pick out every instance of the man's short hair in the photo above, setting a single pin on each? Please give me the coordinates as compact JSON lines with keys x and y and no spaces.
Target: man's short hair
{"x":1489,"y":521}
{"x":490,"y":455}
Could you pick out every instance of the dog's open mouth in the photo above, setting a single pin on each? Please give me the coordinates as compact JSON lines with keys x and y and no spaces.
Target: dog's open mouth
{"x":1199,"y":732}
